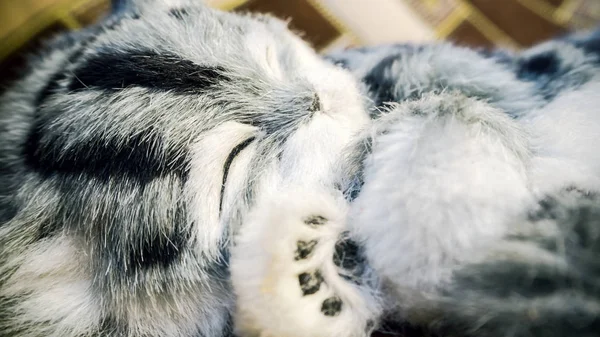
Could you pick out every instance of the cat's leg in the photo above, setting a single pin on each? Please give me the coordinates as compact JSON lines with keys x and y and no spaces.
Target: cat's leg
{"x":446,"y":177}
{"x":296,"y":273}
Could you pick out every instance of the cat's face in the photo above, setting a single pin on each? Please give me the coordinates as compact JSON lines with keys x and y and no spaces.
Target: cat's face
{"x":282,"y":116}
{"x":234,"y":106}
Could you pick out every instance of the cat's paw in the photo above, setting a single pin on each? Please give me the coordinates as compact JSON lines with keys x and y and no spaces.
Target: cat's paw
{"x":447,"y":175}
{"x":297,"y":274}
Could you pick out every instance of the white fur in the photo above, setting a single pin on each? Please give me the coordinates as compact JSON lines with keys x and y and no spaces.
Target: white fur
{"x":565,"y":135}
{"x":57,"y":288}
{"x":264,"y":273}
{"x":446,"y":176}
{"x":206,"y":174}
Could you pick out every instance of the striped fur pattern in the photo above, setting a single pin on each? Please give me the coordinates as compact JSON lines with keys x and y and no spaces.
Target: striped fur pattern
{"x":131,"y":153}
{"x":179,"y":171}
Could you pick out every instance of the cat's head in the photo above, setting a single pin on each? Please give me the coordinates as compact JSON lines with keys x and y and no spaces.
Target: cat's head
{"x":230,"y":106}
{"x":135,"y":149}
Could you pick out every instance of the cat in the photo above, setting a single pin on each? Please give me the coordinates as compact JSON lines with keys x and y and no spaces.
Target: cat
{"x":180,"y":171}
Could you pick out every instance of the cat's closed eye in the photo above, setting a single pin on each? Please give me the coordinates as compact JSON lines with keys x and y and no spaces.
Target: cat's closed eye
{"x":227,"y":165}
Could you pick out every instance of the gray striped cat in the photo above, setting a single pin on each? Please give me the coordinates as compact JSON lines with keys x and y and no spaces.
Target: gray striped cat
{"x":180,"y":171}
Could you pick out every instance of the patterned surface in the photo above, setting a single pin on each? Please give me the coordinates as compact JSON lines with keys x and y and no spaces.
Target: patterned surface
{"x":511,"y":23}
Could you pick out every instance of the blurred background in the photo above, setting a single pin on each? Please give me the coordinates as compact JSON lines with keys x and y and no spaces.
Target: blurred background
{"x":332,"y":24}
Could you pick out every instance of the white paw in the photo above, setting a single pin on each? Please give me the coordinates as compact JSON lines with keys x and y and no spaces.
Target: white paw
{"x":285,"y":277}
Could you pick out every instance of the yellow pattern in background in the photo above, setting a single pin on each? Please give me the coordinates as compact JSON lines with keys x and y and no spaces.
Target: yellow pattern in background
{"x":490,"y":30}
{"x":41,"y":17}
{"x":57,"y":12}
{"x":563,"y":16}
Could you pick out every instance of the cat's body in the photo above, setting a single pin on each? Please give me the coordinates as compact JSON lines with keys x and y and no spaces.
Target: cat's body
{"x":176,"y":171}
{"x":479,"y":207}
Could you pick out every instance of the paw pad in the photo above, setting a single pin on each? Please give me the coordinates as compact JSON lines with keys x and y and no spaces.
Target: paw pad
{"x":348,"y":255}
{"x":304,"y":249}
{"x":349,"y":258}
{"x":332,"y":306}
{"x":315,"y":220}
{"x":310,"y":283}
